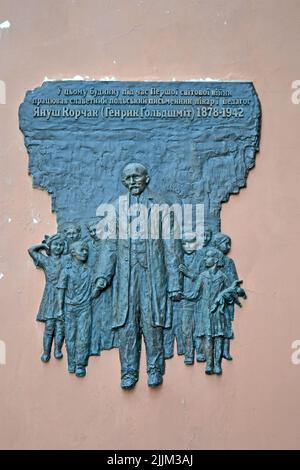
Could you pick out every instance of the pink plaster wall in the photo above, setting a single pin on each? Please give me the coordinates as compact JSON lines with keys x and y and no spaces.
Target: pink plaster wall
{"x":256,"y":404}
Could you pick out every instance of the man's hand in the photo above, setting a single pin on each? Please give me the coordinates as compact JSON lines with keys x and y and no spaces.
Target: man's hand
{"x":101,"y":283}
{"x":175,"y":295}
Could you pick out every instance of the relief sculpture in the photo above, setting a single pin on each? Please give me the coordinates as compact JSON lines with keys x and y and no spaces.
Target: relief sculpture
{"x":138,"y":172}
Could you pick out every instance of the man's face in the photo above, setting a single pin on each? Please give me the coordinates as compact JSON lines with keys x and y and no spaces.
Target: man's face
{"x":81,"y":252}
{"x":72,"y":233}
{"x":135,"y":179}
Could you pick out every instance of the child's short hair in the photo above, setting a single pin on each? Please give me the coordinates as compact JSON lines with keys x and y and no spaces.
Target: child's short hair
{"x":68,"y":225}
{"x":49,"y":239}
{"x":189,"y":236}
{"x":219,"y":237}
{"x":216,"y":254}
{"x":76,"y":245}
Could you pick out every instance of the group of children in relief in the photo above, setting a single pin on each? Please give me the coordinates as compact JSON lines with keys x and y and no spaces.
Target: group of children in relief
{"x":70,"y":311}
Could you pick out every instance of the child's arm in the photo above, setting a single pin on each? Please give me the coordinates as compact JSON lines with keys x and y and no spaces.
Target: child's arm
{"x":34,"y":252}
{"x":230,"y":295}
{"x":61,"y":298}
{"x":100,"y":285}
{"x":61,"y":290}
{"x":187,"y":272}
{"x":106,"y":265}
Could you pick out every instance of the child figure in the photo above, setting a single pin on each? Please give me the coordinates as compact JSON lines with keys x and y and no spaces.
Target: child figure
{"x":103,"y":335}
{"x":211,"y":326}
{"x":49,"y":311}
{"x":93,"y":244}
{"x":223,"y":243}
{"x":190,"y":270}
{"x":72,"y":232}
{"x":74,"y":293}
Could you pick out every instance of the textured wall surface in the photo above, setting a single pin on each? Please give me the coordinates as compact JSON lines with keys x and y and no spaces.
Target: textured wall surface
{"x":195,"y":153}
{"x":256,"y":403}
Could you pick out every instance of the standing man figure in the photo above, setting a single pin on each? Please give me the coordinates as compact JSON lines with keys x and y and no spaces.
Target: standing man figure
{"x":145,"y":276}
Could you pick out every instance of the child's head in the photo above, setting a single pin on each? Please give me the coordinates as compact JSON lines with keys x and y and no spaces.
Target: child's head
{"x":222,"y":242}
{"x":80,"y":251}
{"x":189,"y":242}
{"x":92,"y":228}
{"x":72,"y":232}
{"x":212,"y":257}
{"x":207,"y":236}
{"x":55,"y":243}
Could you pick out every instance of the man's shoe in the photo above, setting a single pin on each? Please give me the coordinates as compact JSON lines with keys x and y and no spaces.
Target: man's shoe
{"x":155,"y":379}
{"x":209,"y":370}
{"x":128,"y":381}
{"x":80,"y":372}
{"x":218,"y":370}
{"x":189,"y":361}
{"x":201,"y":358}
{"x":71,"y":369}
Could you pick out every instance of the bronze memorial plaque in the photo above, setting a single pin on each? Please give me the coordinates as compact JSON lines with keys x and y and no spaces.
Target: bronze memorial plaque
{"x":137,"y":173}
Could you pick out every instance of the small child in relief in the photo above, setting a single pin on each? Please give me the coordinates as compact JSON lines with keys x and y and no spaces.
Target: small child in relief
{"x":210,"y":325}
{"x":47,"y":256}
{"x":215,"y":293}
{"x":75,"y":303}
